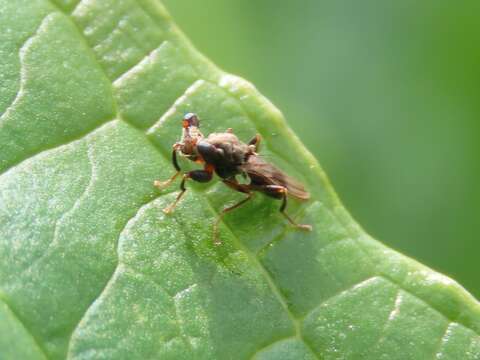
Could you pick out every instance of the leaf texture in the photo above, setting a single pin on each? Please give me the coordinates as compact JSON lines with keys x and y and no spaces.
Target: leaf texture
{"x":90,"y":266}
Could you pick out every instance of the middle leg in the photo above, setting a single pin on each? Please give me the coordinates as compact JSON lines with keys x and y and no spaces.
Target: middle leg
{"x":233,"y":184}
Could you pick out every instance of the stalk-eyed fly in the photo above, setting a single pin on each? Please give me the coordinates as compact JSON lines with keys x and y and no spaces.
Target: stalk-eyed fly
{"x":228,"y":157}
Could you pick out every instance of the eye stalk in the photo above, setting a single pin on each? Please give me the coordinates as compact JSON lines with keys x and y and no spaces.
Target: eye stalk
{"x":190,"y":119}
{"x":190,"y":135}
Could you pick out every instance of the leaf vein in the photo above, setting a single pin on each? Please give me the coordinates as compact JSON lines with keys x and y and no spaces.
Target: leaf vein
{"x":46,"y":151}
{"x":269,"y":346}
{"x":132,"y":219}
{"x":74,"y":8}
{"x":182,"y":98}
{"x":33,"y":337}
{"x":139,"y":65}
{"x":340,"y":293}
{"x":393,"y":314}
{"x":54,"y":240}
{"x":21,"y":55}
{"x":88,"y":46}
{"x":443,"y":340}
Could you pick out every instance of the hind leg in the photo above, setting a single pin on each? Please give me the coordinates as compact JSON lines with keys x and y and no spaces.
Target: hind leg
{"x":280,"y":192}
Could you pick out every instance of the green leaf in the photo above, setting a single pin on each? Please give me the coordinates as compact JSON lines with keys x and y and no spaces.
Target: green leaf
{"x":90,"y":267}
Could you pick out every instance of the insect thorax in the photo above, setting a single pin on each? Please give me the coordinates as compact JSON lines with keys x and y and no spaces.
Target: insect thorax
{"x":225,"y":151}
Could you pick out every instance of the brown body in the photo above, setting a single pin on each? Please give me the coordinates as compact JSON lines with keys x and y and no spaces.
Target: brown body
{"x":228,"y":157}
{"x":225,"y":152}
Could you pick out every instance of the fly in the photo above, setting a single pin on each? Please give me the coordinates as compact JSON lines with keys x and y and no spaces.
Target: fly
{"x":228,"y":157}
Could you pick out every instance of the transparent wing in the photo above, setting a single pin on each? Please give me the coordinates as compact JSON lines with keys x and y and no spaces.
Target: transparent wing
{"x":263,"y":172}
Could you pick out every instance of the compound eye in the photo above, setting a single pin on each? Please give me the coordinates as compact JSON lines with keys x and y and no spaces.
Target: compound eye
{"x":191,"y":119}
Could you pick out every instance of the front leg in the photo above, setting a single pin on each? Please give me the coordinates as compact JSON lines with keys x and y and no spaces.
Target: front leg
{"x":163,"y":184}
{"x":196,"y":175}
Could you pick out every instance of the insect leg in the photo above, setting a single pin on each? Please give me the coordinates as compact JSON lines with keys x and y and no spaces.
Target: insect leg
{"x":282,"y":191}
{"x":236,"y":186}
{"x":196,"y":175}
{"x":255,"y":142}
{"x":163,"y":184}
{"x":233,"y":184}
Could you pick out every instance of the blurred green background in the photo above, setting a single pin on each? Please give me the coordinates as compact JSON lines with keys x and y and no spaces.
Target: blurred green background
{"x":386,"y":96}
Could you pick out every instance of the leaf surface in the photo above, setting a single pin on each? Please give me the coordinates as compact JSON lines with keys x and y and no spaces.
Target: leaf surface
{"x":90,"y":267}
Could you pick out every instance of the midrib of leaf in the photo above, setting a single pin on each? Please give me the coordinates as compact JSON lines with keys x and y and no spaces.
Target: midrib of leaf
{"x":253,"y":258}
